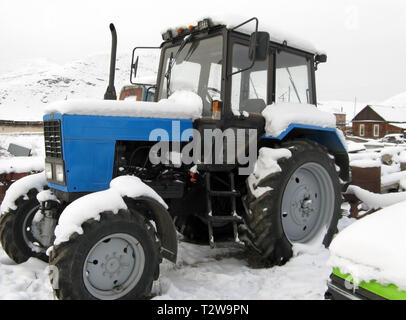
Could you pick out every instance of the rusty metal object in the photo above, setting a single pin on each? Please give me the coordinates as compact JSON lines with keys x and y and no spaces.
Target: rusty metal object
{"x":367,"y":178}
{"x":354,"y":203}
{"x":129,"y":91}
{"x":7,"y":179}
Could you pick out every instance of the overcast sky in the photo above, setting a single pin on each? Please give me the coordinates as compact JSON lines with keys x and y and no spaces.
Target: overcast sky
{"x":365,"y":39}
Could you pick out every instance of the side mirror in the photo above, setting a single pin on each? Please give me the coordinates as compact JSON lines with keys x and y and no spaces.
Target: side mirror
{"x":134,"y":68}
{"x":147,"y":78}
{"x":259,"y":46}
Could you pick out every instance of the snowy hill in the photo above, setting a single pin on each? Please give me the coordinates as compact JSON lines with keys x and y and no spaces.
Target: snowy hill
{"x":398,"y":100}
{"x":347,"y":107}
{"x":25,"y":92}
{"x":351,"y":109}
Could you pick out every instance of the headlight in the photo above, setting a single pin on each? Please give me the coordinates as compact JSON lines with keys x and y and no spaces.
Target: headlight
{"x":48,"y":171}
{"x":59,"y":173}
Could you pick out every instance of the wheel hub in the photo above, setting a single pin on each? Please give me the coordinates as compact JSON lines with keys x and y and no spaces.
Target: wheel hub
{"x":114,"y":266}
{"x":302,"y":205}
{"x":307,"y":203}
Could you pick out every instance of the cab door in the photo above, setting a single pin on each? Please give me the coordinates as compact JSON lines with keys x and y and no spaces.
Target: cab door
{"x":248,"y":92}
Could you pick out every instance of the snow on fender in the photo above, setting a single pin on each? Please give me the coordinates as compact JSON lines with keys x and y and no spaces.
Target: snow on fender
{"x":91,"y":205}
{"x":20,"y":188}
{"x":279,"y":116}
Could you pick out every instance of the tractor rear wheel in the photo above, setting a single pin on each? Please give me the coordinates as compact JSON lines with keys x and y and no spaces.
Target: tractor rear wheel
{"x":301,"y":205}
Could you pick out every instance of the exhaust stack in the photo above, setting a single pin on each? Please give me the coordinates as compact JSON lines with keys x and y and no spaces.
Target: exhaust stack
{"x":111,"y":90}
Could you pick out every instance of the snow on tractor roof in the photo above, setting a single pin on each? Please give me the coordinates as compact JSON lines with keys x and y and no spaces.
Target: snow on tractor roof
{"x":374,"y":248}
{"x":180,"y":105}
{"x":276,"y":35}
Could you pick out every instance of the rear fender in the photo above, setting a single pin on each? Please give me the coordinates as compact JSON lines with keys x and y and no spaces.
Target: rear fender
{"x":327,"y":137}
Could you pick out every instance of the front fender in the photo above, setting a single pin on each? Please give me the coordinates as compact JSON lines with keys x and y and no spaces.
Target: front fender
{"x":166,"y":230}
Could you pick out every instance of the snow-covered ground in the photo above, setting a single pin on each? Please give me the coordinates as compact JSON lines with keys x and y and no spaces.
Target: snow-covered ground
{"x":200,"y":273}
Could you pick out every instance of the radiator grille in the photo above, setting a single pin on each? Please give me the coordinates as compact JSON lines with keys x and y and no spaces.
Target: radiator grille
{"x":53,"y":140}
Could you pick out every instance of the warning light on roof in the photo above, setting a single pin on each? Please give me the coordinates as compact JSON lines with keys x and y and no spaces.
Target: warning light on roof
{"x":204,"y":24}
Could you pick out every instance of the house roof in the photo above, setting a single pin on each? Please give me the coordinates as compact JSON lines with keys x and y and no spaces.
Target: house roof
{"x":389,"y":114}
{"x":399,"y":125}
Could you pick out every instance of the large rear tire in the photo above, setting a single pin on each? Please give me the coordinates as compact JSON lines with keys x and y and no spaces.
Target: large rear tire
{"x":16,"y":226}
{"x":301,"y":206}
{"x":115,"y":258}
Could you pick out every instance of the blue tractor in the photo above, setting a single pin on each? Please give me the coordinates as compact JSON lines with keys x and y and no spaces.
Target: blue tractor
{"x":105,"y":213}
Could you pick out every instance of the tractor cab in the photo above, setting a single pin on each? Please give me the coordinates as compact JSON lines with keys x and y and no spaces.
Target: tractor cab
{"x":234,"y":71}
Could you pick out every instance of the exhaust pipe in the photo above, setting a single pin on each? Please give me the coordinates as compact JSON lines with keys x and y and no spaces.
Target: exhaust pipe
{"x":111,"y":90}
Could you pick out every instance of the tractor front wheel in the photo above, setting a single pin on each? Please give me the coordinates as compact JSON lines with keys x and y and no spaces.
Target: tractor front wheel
{"x":18,"y":229}
{"x":115,"y":258}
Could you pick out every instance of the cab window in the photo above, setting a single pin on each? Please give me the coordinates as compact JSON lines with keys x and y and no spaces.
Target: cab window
{"x":292,"y":83}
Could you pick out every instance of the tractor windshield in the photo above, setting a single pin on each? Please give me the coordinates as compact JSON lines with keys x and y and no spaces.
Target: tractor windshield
{"x":194,"y":66}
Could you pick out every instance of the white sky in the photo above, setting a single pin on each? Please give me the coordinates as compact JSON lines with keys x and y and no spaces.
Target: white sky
{"x":365,"y":39}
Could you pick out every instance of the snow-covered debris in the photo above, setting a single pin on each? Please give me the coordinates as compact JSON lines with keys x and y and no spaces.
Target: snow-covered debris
{"x":364,"y":156}
{"x":33,"y":141}
{"x":393,"y":178}
{"x":402,"y":157}
{"x":267,"y":163}
{"x":279,"y":116}
{"x":365,"y":163}
{"x":355,"y":146}
{"x":180,"y":105}
{"x":374,"y":248}
{"x":21,"y":187}
{"x":402,"y":184}
{"x":374,"y":200}
{"x":91,"y":205}
{"x":21,"y":164}
{"x":387,"y":170}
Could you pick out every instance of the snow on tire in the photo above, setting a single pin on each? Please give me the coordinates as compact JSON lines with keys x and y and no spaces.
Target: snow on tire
{"x":115,"y":258}
{"x":16,"y":226}
{"x":296,"y":202}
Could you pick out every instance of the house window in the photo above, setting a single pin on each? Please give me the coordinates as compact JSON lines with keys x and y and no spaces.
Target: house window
{"x":362,"y":130}
{"x":376,"y":130}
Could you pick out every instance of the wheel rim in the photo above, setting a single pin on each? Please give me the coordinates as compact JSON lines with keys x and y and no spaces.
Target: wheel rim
{"x":28,"y":229}
{"x":113,"y":266}
{"x":307,"y":203}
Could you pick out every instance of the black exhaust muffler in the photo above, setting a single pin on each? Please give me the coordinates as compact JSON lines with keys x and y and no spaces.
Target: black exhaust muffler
{"x":111,"y":90}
